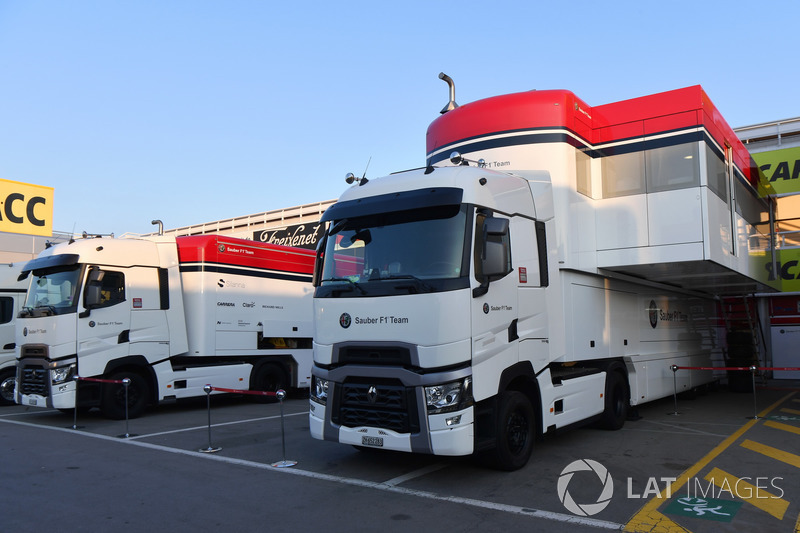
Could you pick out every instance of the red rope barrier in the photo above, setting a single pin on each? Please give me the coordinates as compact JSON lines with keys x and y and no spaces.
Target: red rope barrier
{"x":735,"y":368}
{"x":239,"y":391}
{"x":98,"y":380}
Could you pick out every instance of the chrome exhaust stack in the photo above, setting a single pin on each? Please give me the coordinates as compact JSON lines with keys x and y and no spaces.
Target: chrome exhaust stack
{"x":452,"y":103}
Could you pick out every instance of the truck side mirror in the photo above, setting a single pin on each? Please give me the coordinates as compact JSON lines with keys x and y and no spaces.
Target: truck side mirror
{"x":318,"y":261}
{"x":91,"y":294}
{"x":495,"y":259}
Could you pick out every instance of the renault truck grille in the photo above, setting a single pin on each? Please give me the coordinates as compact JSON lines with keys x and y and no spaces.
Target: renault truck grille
{"x":375,"y":404}
{"x":34,"y":381}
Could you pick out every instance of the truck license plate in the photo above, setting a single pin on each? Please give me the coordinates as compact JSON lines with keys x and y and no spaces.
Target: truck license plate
{"x":372,"y":441}
{"x":31,"y":401}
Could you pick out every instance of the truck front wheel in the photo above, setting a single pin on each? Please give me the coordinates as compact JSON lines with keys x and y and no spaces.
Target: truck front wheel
{"x":7,"y":384}
{"x":113,"y":402}
{"x":515,"y":430}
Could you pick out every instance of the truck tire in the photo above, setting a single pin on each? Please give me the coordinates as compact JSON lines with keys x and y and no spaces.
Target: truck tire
{"x":515,"y":429}
{"x":617,"y":401}
{"x":7,"y":385}
{"x":113,"y":396}
{"x":269,"y":377}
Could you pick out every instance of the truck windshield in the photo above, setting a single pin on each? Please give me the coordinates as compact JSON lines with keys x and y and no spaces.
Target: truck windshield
{"x":53,"y":291}
{"x":421,"y":250}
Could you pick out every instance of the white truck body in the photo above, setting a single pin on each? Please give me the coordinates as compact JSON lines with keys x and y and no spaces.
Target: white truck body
{"x":12,"y":294}
{"x":171,"y":314}
{"x":461,"y":309}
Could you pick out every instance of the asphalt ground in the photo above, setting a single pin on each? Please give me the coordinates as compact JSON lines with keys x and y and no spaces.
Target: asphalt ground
{"x":725,"y":462}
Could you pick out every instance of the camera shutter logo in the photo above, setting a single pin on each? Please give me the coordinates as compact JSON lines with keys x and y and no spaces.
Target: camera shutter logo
{"x":585,"y":509}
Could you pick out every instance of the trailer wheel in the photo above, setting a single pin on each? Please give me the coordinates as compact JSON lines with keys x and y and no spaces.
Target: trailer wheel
{"x":269,"y":377}
{"x":113,"y":396}
{"x":617,"y":401}
{"x":515,"y":430}
{"x":7,"y":385}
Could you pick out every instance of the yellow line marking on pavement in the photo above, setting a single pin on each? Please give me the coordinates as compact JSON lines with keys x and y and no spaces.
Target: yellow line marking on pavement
{"x":782,"y":427}
{"x":766,"y":501}
{"x":648,"y":519}
{"x":791,"y":411}
{"x":797,"y":525}
{"x":774,"y":453}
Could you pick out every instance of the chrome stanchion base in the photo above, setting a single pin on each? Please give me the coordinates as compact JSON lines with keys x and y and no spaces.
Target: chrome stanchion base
{"x":284,"y":464}
{"x":209,"y":450}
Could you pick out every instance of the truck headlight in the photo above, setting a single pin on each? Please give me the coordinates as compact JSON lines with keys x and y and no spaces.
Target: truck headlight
{"x":62,"y":374}
{"x":449,"y":397}
{"x":319,"y":390}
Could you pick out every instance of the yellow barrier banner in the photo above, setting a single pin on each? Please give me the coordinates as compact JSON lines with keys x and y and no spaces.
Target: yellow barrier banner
{"x":26,"y":208}
{"x":781,"y":169}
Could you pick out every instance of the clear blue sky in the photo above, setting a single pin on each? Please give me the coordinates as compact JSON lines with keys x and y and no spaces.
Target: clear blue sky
{"x":192,"y":111}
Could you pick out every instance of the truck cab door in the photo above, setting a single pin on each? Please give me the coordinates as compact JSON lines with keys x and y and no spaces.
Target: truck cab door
{"x":103,"y":320}
{"x":494,"y":304}
{"x":9,"y":307}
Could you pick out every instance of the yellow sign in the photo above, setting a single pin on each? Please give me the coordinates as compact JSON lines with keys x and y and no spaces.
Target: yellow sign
{"x":781,"y":169}
{"x":26,"y":208}
{"x":785,"y":271}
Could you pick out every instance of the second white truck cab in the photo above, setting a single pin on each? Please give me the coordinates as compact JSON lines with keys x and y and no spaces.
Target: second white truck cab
{"x":170,"y":314}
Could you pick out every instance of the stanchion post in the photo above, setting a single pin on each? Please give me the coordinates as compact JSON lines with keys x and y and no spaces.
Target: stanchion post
{"x":207,"y":389}
{"x":126,"y":383}
{"x":674,"y":369}
{"x":281,"y":394}
{"x":755,"y":404}
{"x":75,"y":408}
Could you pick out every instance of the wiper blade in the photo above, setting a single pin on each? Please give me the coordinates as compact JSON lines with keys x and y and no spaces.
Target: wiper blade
{"x":350,"y":281}
{"x":421,"y":283}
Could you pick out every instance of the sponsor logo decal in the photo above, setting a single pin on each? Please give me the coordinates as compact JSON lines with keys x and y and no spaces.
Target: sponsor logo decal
{"x":230,"y":284}
{"x":653,"y":314}
{"x":345,"y":320}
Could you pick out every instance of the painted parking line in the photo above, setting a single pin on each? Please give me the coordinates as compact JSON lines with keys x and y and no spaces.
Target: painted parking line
{"x":415,"y":474}
{"x":783,"y":427}
{"x":220,"y":424}
{"x":774,"y":453}
{"x":29,"y":413}
{"x":752,"y":494}
{"x":649,"y":519}
{"x":791,"y":411}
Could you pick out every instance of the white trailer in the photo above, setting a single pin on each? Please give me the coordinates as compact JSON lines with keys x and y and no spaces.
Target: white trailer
{"x":12,"y":294}
{"x":476,"y":303}
{"x":171,"y":314}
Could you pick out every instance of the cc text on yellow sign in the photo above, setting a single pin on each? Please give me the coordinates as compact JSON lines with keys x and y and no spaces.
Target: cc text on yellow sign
{"x":26,"y":208}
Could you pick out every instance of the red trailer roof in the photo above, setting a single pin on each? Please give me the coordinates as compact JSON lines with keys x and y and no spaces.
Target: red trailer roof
{"x":230,"y":251}
{"x":649,"y":115}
